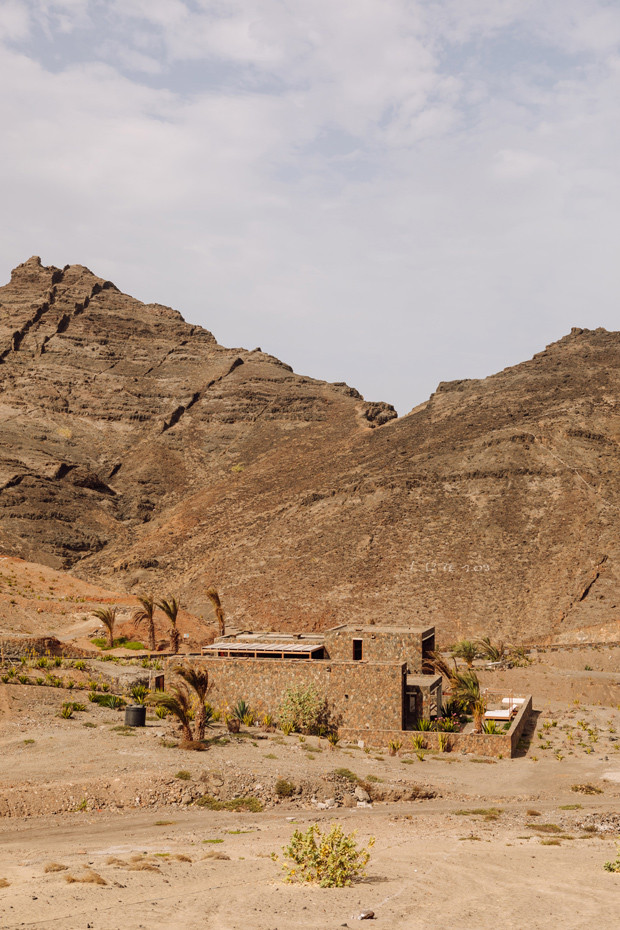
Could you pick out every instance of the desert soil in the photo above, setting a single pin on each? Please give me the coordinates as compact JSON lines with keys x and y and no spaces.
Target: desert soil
{"x":460,"y":841}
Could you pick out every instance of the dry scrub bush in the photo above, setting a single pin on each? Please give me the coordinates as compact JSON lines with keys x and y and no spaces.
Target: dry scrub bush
{"x":88,"y":878}
{"x":332,"y":860}
{"x":55,"y":867}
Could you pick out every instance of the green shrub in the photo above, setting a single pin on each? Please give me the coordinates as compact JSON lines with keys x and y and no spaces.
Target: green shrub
{"x":303,"y":710}
{"x":332,"y":860}
{"x":615,"y":865}
{"x":80,"y":665}
{"x":184,"y":775}
{"x":66,"y":711}
{"x":250,"y":803}
{"x":348,"y":774}
{"x":284,"y":788}
{"x":106,"y":700}
{"x":161,"y":711}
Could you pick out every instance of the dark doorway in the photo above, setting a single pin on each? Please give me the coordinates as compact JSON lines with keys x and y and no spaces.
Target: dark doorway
{"x":357,"y":650}
{"x":413,"y":707}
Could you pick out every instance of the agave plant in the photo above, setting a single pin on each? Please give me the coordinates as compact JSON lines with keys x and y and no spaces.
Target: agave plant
{"x":144,"y":614}
{"x":177,"y":702}
{"x":217,"y":607}
{"x":139,"y":693}
{"x":241,"y":710}
{"x":170,"y":607}
{"x":107,"y":615}
{"x":198,"y":680}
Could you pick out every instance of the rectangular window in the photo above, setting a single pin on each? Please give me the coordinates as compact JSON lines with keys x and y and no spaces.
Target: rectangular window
{"x":357,"y":650}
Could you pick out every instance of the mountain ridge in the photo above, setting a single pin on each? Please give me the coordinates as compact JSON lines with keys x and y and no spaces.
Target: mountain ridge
{"x":138,"y":450}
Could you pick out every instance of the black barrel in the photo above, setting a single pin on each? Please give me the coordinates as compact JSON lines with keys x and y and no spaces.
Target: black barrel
{"x":135,"y":715}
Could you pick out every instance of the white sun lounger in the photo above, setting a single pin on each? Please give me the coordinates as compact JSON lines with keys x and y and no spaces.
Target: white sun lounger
{"x":513,"y":701}
{"x":503,"y":714}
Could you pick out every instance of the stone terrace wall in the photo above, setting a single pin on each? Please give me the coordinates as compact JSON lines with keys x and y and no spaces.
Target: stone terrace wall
{"x":360,"y":695}
{"x":377,"y":646}
{"x":483,"y":744}
{"x":18,"y":646}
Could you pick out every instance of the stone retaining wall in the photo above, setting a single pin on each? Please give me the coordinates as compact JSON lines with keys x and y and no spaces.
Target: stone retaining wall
{"x":482,"y":744}
{"x":18,"y":646}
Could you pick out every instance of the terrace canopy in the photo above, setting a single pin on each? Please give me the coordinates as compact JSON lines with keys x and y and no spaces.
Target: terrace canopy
{"x":265,"y":650}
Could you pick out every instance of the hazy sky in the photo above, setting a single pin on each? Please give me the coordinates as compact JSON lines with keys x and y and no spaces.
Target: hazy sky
{"x":385,"y":192}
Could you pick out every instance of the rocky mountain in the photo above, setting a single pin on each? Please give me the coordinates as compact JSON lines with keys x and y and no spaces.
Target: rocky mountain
{"x":136,"y":452}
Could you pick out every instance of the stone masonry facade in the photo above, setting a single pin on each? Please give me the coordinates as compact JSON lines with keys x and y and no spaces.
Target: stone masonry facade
{"x":360,"y":695}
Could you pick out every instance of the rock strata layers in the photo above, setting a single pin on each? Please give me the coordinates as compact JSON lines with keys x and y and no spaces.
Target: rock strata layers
{"x":137,"y":451}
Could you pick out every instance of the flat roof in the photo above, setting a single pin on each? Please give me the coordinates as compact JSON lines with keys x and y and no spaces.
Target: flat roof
{"x":375,"y":628}
{"x":286,"y":648}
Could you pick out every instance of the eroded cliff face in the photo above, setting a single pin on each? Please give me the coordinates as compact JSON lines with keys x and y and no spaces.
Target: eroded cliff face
{"x":137,"y":451}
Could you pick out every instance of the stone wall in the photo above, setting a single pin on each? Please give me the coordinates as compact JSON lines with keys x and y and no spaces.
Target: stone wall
{"x":377,"y":645}
{"x":359,"y":694}
{"x":482,"y":744}
{"x":18,"y":646}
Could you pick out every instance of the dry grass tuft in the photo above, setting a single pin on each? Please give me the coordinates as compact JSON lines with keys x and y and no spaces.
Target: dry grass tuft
{"x":4,"y":883}
{"x":181,"y":857}
{"x":88,"y":878}
{"x":144,"y":866}
{"x":215,"y":854}
{"x":113,"y":860}
{"x":55,"y":867}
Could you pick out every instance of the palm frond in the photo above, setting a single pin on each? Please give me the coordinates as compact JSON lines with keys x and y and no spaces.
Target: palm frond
{"x":107,"y":615}
{"x":217,"y":607}
{"x":170,"y":607}
{"x":177,"y":702}
{"x":196,"y":678}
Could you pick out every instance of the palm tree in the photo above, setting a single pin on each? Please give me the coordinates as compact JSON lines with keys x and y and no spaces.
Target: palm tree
{"x":198,"y":680}
{"x":465,"y":689}
{"x":177,"y":702}
{"x":465,"y":650}
{"x":489,"y":651}
{"x":217,"y":606}
{"x":171,"y":609}
{"x":435,"y":662}
{"x":107,"y":615}
{"x":144,"y":614}
{"x":478,"y":709}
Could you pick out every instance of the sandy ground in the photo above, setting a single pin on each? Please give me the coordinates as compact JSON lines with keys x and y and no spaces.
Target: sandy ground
{"x":494,"y":844}
{"x":430,"y":868}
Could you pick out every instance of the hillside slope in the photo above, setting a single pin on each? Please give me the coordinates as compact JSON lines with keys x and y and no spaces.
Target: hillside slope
{"x":137,"y":452}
